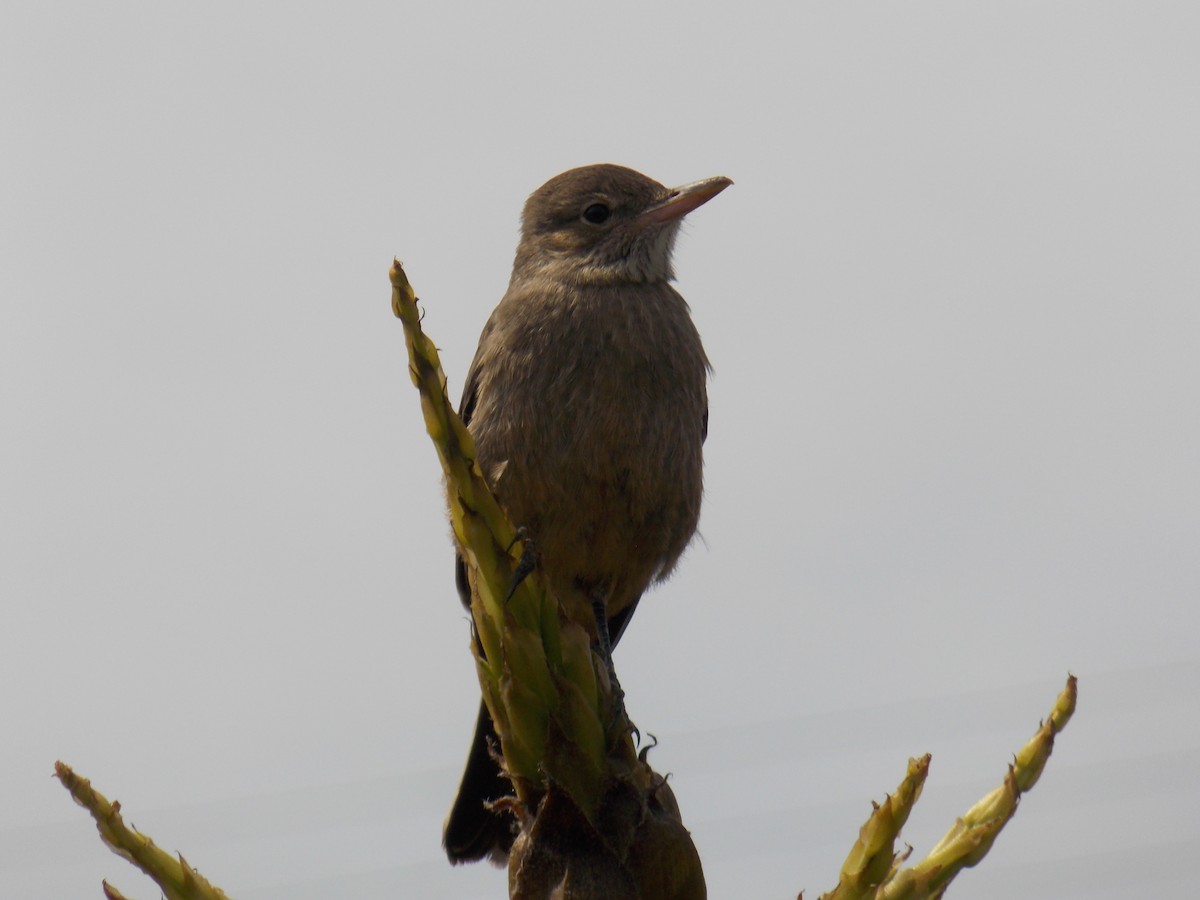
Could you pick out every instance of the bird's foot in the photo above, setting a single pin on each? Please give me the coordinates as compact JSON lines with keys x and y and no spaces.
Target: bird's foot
{"x":525,"y":565}
{"x":620,"y":719}
{"x":619,"y":723}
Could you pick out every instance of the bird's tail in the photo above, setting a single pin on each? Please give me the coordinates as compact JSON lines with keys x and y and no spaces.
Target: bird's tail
{"x":472,"y":831}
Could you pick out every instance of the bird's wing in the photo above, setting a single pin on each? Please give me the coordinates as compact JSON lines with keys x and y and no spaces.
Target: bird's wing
{"x":617,"y":623}
{"x":460,"y":581}
{"x":470,"y":396}
{"x":465,"y":410}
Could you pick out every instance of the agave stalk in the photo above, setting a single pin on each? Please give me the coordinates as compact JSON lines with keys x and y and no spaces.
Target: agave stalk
{"x":872,"y":869}
{"x":178,"y":880}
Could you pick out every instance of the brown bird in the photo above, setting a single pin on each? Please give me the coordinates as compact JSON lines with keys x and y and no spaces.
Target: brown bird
{"x":588,"y":405}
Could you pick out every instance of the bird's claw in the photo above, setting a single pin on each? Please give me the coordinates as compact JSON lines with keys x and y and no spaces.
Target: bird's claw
{"x":525,"y":565}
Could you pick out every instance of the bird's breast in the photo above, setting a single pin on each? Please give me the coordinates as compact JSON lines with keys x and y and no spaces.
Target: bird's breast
{"x":589,"y":419}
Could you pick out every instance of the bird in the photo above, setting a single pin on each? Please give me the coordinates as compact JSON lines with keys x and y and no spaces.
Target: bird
{"x":587,"y":401}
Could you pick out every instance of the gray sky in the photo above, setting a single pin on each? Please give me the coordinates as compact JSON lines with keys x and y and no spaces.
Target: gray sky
{"x":952,"y":304}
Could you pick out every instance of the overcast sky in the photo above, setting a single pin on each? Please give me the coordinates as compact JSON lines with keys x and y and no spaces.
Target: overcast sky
{"x":953,"y":306}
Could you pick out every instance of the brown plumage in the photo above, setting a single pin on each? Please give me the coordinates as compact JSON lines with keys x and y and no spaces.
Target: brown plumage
{"x":587,"y":402}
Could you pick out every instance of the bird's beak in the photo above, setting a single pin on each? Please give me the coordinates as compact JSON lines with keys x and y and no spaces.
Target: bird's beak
{"x":682,"y":200}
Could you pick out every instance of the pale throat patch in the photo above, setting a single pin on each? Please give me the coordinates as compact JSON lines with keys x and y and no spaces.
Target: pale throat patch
{"x":648,"y":258}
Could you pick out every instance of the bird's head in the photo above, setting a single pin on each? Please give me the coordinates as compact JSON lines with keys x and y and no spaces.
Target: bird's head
{"x":605,"y":224}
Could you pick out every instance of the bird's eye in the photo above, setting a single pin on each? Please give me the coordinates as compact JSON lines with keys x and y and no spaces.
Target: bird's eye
{"x":596,"y":214}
